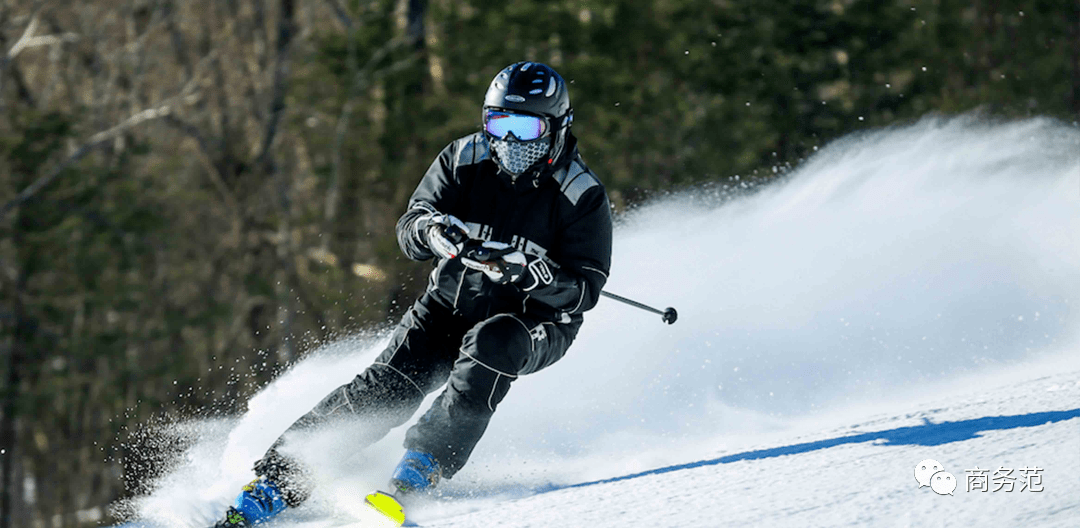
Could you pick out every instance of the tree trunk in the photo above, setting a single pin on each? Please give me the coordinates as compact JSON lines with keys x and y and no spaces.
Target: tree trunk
{"x":1074,"y":37}
{"x":21,"y":338}
{"x":8,"y":432}
{"x":416,"y":36}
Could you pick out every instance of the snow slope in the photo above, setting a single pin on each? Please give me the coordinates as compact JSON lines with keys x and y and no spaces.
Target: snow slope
{"x":906,"y":294}
{"x":849,"y":471}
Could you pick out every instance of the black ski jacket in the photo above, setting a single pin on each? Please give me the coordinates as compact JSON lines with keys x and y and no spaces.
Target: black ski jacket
{"x":560,"y":213}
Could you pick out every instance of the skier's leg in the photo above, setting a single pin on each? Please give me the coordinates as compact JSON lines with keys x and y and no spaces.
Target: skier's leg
{"x":493,"y":354}
{"x":416,"y":362}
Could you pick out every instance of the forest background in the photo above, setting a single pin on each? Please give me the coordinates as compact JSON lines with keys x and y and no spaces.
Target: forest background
{"x":195,"y":192}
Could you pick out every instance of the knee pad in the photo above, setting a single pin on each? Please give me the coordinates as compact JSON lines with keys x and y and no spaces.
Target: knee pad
{"x":501,"y":343}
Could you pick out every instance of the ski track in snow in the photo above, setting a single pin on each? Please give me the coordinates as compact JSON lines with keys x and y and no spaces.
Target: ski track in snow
{"x":906,"y":294}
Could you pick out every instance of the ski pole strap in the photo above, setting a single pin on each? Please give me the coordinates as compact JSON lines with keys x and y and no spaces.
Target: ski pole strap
{"x":669,"y":315}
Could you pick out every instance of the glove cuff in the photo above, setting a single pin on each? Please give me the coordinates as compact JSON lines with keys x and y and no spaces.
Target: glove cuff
{"x":420,"y":230}
{"x":537,"y":274}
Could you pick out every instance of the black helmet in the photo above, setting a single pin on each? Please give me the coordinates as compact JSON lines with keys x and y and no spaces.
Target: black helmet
{"x":529,"y":88}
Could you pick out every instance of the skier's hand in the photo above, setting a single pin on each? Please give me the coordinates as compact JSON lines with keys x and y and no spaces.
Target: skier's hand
{"x":500,"y":262}
{"x":503,"y":264}
{"x":444,"y":234}
{"x":537,"y":274}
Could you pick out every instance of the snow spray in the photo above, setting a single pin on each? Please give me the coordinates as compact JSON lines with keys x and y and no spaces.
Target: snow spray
{"x":889,"y":262}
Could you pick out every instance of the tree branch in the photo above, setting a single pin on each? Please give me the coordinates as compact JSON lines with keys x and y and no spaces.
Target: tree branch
{"x":342,"y":15}
{"x":216,"y":169}
{"x":95,"y":141}
{"x":5,"y":58}
{"x":179,"y":46}
{"x":27,"y":34}
{"x":286,"y":31}
{"x":44,"y":40}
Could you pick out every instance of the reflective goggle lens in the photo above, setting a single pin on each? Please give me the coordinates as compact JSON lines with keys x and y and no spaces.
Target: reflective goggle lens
{"x":524,"y":127}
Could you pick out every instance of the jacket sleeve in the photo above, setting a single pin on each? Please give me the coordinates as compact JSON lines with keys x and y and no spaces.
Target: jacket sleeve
{"x":436,"y":193}
{"x":583,"y":258}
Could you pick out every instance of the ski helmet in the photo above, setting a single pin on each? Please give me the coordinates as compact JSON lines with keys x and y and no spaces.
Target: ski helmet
{"x":526,"y":116}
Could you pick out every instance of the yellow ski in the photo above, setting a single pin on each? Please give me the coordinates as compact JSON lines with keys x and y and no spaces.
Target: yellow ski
{"x":388,"y":506}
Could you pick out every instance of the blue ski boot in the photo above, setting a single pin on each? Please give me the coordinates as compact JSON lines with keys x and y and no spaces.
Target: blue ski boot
{"x":417,"y":472}
{"x":257,"y":503}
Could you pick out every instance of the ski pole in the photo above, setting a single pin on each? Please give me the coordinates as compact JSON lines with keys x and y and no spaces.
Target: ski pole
{"x":669,"y":315}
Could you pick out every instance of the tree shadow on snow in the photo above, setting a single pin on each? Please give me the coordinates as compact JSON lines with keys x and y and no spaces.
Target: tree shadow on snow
{"x":927,"y":434}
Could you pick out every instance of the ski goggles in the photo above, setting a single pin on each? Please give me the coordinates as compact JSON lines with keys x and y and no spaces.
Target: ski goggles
{"x":524,"y":127}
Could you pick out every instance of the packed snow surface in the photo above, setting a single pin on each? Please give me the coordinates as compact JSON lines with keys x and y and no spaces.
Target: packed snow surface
{"x":906,"y":294}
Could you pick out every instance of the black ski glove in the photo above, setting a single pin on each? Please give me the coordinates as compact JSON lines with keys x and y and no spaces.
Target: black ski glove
{"x":503,"y":264}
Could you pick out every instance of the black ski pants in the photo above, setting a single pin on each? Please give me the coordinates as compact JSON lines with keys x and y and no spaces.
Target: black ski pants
{"x":431,"y":347}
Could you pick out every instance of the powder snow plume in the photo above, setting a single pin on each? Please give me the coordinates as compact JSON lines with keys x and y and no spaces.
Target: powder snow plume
{"x":890,"y":263}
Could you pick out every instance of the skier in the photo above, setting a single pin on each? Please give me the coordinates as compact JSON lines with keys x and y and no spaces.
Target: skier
{"x":520,"y":230}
